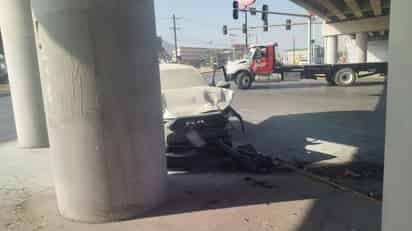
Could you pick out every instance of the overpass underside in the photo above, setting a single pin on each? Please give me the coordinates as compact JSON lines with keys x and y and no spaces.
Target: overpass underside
{"x":364,"y":20}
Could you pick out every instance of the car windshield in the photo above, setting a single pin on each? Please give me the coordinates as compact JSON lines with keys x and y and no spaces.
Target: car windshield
{"x":175,"y":76}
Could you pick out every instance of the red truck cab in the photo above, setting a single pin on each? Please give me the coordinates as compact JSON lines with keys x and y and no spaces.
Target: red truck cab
{"x":262,"y":59}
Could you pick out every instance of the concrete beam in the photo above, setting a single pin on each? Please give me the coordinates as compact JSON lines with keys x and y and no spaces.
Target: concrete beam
{"x":328,"y":4}
{"x":356,"y":26}
{"x":100,"y":68}
{"x":312,"y":9}
{"x":354,"y":6}
{"x":376,"y":6}
{"x":365,"y":7}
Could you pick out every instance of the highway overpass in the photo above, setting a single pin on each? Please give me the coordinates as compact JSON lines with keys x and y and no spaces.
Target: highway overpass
{"x":365,"y":20}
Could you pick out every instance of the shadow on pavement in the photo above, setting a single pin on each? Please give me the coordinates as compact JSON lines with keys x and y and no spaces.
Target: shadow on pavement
{"x":312,"y":137}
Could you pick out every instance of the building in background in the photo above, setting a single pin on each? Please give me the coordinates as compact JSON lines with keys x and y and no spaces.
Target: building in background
{"x":300,"y":56}
{"x":200,"y":56}
{"x":239,"y":51}
{"x":296,"y":56}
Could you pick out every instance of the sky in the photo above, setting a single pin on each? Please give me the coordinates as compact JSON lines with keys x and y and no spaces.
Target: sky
{"x":201,"y":22}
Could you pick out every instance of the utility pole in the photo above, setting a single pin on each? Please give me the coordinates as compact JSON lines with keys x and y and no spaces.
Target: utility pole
{"x":310,"y":40}
{"x":175,"y":36}
{"x":294,"y":50}
{"x":246,"y":33}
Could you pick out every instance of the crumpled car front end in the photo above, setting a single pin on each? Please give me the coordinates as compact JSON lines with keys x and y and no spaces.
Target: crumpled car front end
{"x":195,"y":117}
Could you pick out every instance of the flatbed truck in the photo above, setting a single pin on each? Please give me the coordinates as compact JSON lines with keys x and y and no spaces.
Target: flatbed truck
{"x":261,"y":65}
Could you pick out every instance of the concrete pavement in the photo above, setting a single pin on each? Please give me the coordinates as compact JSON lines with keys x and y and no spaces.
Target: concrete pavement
{"x":211,"y":200}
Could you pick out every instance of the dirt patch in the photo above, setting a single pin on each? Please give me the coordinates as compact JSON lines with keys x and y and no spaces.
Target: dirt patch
{"x":365,"y":178}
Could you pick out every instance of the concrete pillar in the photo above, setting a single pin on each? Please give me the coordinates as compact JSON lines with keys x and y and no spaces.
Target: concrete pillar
{"x":102,"y":92}
{"x":20,"y":51}
{"x":331,"y":53}
{"x":361,"y":46}
{"x":397,"y":202}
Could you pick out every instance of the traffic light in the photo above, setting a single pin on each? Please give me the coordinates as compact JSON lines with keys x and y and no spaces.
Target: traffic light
{"x":265,"y":26}
{"x":235,"y":10}
{"x":244,"y":28}
{"x":265,"y":17}
{"x":288,"y":24}
{"x":224,"y":30}
{"x":253,"y":11}
{"x":265,"y":12}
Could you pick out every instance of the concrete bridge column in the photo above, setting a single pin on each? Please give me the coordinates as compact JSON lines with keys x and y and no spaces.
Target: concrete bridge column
{"x":19,"y":46}
{"x":361,"y":42}
{"x":102,"y":92}
{"x":397,"y":202}
{"x":331,"y":51}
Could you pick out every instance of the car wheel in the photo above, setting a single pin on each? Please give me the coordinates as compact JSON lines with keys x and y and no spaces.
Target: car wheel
{"x":244,"y":80}
{"x":345,"y":77}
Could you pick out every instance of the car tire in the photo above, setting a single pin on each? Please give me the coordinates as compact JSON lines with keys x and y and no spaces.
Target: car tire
{"x":345,"y":77}
{"x":244,"y":80}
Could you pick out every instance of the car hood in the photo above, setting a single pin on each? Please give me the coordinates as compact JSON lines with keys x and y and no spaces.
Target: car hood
{"x":186,"y":102}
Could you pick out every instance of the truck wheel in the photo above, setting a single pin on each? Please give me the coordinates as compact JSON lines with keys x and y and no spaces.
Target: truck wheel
{"x":244,"y":80}
{"x":345,"y":77}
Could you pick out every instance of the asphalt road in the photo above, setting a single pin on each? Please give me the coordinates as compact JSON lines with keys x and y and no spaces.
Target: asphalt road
{"x":311,"y":122}
{"x":304,"y":121}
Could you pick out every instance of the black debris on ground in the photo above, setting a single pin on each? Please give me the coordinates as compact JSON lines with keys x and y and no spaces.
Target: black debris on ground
{"x":362,"y":177}
{"x":260,"y":183}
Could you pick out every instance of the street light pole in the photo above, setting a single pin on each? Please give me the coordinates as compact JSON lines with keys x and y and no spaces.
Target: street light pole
{"x":294,"y":50}
{"x":246,"y":32}
{"x":175,"y":37}
{"x":309,"y":40}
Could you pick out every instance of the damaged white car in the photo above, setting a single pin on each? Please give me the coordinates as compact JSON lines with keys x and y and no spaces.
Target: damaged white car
{"x":195,"y":114}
